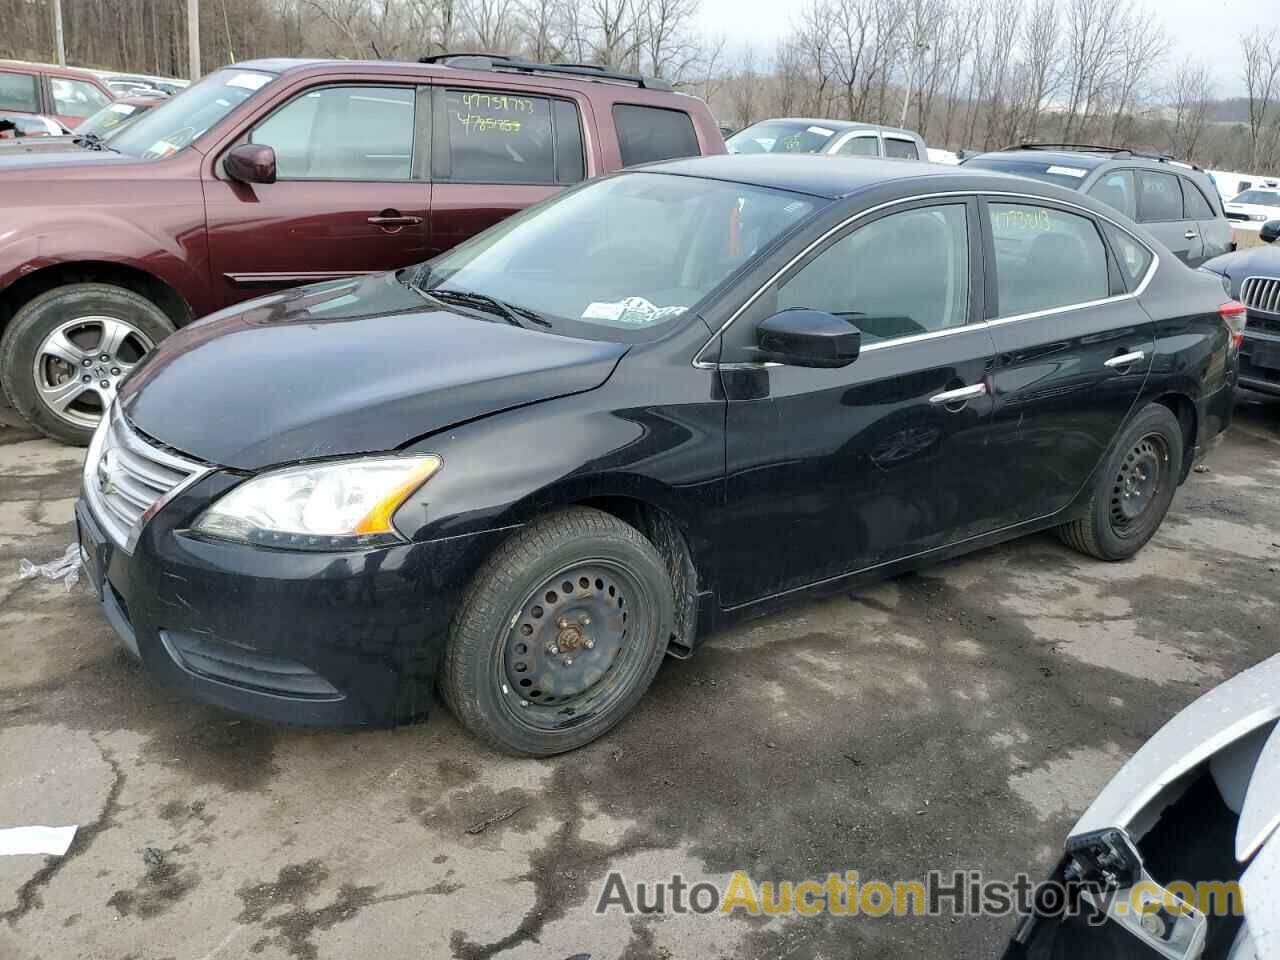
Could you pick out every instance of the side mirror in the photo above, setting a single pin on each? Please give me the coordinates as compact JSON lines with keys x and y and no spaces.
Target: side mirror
{"x":251,"y":163}
{"x":1270,"y":231}
{"x":808,"y":338}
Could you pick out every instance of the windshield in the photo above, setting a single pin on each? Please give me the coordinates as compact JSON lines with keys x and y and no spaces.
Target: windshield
{"x":781,"y":136}
{"x":619,"y":258}
{"x":177,"y":122}
{"x":1263,"y":198}
{"x":1060,"y":174}
{"x":111,"y":118}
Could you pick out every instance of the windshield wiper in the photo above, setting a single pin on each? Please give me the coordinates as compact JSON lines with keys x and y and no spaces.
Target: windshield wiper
{"x":93,"y":141}
{"x":508,"y":311}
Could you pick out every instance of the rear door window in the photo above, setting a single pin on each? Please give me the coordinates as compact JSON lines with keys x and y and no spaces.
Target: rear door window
{"x":18,"y":92}
{"x":1194,"y":202}
{"x":343,"y":133}
{"x":1116,"y":189}
{"x":493,"y":136}
{"x":648,"y":134}
{"x":76,"y":98}
{"x":1159,"y":197}
{"x":900,"y":149}
{"x":1046,"y":258}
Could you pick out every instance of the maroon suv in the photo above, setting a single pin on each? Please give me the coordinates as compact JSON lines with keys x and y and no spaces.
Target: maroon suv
{"x":276,"y":173}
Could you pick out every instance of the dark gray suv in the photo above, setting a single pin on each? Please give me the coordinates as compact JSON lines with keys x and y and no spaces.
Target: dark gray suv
{"x":1175,"y":201}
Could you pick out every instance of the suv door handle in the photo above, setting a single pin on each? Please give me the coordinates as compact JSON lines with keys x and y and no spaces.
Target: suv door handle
{"x":1125,"y":359}
{"x":1190,"y":235}
{"x":959,"y":395}
{"x":393,"y":218}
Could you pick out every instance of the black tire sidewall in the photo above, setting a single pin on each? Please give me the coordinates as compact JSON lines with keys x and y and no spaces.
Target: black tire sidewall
{"x":1153,"y":419}
{"x":477,"y":641}
{"x":34,"y":321}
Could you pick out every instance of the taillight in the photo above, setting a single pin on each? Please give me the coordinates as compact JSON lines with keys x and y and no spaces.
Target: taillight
{"x":1235,"y":315}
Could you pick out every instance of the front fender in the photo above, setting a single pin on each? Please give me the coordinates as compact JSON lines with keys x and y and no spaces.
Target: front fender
{"x":508,"y":469}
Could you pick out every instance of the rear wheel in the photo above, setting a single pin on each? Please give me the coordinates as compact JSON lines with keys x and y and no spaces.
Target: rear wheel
{"x":1133,"y":489}
{"x":64,"y":354}
{"x":560,"y":634}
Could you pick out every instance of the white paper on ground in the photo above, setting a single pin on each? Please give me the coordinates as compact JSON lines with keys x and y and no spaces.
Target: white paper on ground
{"x":33,"y":840}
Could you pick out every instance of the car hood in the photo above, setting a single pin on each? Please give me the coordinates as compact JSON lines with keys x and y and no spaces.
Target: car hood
{"x":15,"y":160}
{"x":28,"y":145}
{"x":343,"y":368}
{"x":1238,"y":266}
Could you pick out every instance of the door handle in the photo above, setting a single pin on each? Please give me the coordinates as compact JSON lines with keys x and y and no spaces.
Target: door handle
{"x":390,"y":218}
{"x":959,"y":395}
{"x":1190,"y":235}
{"x":1125,"y":359}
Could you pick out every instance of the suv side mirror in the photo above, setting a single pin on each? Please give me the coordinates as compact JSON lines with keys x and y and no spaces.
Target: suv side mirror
{"x":808,"y":338}
{"x":251,"y":163}
{"x":1270,"y":231}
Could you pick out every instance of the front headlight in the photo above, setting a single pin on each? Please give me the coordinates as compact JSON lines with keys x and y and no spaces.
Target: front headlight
{"x":323,"y":506}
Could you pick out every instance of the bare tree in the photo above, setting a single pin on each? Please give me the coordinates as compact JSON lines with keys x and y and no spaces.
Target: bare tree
{"x":1261,"y":78}
{"x":1189,"y":94}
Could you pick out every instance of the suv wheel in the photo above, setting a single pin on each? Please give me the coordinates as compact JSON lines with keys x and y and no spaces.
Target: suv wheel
{"x":64,"y":354}
{"x":559,"y":635}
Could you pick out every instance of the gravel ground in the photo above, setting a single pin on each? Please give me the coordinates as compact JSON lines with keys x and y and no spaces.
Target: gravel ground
{"x":958,"y":717}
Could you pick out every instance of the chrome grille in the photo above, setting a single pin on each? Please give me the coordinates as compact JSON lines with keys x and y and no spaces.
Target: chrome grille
{"x":1261,"y":294}
{"x":126,"y":475}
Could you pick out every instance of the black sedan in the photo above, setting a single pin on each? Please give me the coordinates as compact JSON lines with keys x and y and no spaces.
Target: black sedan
{"x":1253,"y":277}
{"x":526,"y":471}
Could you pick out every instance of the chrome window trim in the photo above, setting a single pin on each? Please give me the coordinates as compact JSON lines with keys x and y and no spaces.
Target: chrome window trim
{"x":966,"y":194}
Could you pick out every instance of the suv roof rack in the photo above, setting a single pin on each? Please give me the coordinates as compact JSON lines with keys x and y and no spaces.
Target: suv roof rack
{"x":1115,"y":151}
{"x":587,"y":71}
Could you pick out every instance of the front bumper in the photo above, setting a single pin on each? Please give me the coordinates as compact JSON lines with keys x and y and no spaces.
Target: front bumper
{"x":1260,"y":356}
{"x":331,"y":639}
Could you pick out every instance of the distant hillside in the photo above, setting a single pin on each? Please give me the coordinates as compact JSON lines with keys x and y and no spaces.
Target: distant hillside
{"x":1233,"y":110}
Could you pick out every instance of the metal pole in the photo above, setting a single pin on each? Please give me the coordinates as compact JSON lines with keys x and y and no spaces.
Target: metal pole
{"x":193,"y":38}
{"x":906,"y":100}
{"x":59,"y":41}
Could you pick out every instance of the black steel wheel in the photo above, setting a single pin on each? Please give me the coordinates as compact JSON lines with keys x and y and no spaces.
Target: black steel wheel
{"x":1133,"y":488}
{"x":560,"y":633}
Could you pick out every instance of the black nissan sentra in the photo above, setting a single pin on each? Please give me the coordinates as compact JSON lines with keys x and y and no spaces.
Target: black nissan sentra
{"x":525,"y":471}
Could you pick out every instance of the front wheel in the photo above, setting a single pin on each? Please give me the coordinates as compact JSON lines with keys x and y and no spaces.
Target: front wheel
{"x":1133,"y":488}
{"x":64,"y":354}
{"x":560,"y":634}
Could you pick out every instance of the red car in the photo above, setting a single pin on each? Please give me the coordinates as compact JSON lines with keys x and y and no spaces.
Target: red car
{"x":66,"y":94}
{"x":276,"y":173}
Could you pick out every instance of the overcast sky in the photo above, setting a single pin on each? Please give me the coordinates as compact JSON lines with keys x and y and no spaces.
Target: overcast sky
{"x":1207,"y":29}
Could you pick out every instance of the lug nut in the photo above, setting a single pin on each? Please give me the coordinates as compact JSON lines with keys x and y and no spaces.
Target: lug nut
{"x":104,"y":384}
{"x":553,"y":649}
{"x":524,"y":703}
{"x":85,"y":362}
{"x":568,"y":661}
{"x":585,"y":620}
{"x":589,"y":643}
{"x":86,"y":378}
{"x":104,"y":358}
{"x":115,"y":371}
{"x":562,"y":622}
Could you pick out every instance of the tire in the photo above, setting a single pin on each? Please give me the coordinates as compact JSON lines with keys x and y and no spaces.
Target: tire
{"x":85,"y":313}
{"x":614,"y":625}
{"x":1133,"y":488}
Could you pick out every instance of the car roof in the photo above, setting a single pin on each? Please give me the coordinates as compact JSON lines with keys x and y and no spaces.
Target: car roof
{"x":1090,"y":160}
{"x":836,"y":177}
{"x":840,"y":126}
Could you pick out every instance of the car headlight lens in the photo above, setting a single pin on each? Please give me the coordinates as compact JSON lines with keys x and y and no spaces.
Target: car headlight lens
{"x":324,"y":506}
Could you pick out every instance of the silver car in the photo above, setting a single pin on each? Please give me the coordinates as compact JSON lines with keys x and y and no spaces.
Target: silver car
{"x":833,"y":138}
{"x":1175,"y":201}
{"x":1197,"y":808}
